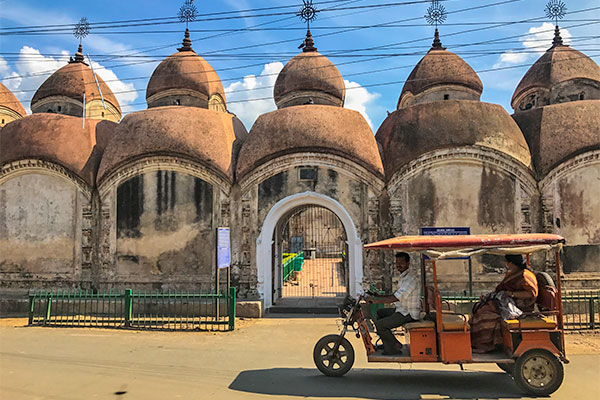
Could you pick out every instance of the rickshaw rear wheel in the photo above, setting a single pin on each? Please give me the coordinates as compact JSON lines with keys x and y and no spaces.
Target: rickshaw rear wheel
{"x":509,"y":368}
{"x":333,"y":362}
{"x":538,"y":372}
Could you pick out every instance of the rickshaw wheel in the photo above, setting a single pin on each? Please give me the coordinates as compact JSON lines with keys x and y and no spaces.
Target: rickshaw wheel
{"x":333,"y":363}
{"x":538,"y":372}
{"x":509,"y":368}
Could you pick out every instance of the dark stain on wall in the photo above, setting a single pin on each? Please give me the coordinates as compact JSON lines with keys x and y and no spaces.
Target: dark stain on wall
{"x":496,"y":201}
{"x":273,"y":188}
{"x":203,"y":198}
{"x":357,"y":193}
{"x":421,"y":195}
{"x":573,"y":215}
{"x":130,"y":206}
{"x":331,"y":184}
{"x":165,"y":191}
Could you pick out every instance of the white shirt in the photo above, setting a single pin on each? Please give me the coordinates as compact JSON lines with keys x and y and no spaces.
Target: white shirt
{"x":408,"y":294}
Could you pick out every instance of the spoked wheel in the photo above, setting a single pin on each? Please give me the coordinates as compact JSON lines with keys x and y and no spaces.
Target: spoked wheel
{"x":509,"y":368}
{"x":538,"y":372}
{"x":330,"y":361}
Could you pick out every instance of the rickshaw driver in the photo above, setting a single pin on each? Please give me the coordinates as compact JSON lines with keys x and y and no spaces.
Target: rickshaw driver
{"x":406,"y":300}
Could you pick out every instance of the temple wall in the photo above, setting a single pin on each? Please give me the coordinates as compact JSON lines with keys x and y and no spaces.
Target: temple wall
{"x":571,"y":193}
{"x":40,"y":231}
{"x":330,"y":176}
{"x":480,"y":189}
{"x":159,"y":232}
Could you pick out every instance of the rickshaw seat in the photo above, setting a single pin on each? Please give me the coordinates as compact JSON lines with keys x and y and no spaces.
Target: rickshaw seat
{"x":531,"y":322}
{"x":451,"y":322}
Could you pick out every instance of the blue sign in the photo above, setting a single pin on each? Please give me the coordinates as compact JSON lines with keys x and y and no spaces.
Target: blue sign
{"x":223,"y":248}
{"x":434,"y":231}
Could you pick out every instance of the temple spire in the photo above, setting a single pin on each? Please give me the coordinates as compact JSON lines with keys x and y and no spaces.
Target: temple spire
{"x":79,"y":58}
{"x":437,"y":43}
{"x":187,"y":42}
{"x":81,"y":30}
{"x":558,"y":41}
{"x":309,"y":44}
{"x":436,"y":14}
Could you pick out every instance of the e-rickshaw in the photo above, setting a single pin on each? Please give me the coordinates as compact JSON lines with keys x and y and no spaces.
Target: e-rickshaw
{"x":534,"y":345}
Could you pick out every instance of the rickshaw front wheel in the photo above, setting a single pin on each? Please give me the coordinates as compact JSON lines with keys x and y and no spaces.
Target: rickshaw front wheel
{"x":538,"y":372}
{"x":330,"y":361}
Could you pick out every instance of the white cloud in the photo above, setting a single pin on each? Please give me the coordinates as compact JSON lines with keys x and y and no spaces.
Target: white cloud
{"x":536,"y":42}
{"x":125,"y":92}
{"x":253,"y":87}
{"x":358,"y":98}
{"x":32,"y":69}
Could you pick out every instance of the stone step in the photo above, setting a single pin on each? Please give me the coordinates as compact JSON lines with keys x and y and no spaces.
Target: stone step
{"x":325,"y":310}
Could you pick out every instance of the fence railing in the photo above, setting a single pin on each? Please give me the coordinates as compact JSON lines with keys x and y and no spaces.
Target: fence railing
{"x":292,"y":262}
{"x":580,"y":308}
{"x":131,"y":309}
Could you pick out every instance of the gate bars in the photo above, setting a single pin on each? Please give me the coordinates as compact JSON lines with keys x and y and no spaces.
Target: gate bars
{"x":131,"y":309}
{"x":581,"y":308}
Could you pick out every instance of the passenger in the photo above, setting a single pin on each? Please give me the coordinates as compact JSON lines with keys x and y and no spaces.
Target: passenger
{"x":407,"y":301}
{"x":514,"y":295}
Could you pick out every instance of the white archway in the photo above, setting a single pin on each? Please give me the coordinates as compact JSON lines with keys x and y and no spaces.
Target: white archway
{"x":264,"y":243}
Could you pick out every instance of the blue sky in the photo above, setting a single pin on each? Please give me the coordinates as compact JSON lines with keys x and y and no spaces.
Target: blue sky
{"x":382,"y":56}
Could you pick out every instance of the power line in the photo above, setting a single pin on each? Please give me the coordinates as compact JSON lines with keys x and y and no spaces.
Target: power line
{"x":330,"y":55}
{"x":223,"y":18}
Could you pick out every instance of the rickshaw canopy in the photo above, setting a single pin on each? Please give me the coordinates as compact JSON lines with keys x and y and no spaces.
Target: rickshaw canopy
{"x":441,"y":247}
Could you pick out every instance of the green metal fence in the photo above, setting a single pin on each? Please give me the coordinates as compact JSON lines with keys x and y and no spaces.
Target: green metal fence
{"x":580,"y":308}
{"x":131,"y":309}
{"x":292,"y":262}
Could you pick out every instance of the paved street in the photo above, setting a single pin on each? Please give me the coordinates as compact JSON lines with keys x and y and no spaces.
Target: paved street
{"x":264,"y":359}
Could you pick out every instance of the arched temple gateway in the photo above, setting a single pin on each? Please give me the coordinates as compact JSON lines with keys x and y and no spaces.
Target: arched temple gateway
{"x":135,"y":202}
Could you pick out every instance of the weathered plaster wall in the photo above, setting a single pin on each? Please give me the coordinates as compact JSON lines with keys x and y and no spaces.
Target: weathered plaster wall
{"x":478,"y":189}
{"x":571,"y":194}
{"x":40,"y":231}
{"x":163,"y":230}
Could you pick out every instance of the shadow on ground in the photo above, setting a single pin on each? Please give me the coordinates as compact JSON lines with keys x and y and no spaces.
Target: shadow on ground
{"x":380,"y":384}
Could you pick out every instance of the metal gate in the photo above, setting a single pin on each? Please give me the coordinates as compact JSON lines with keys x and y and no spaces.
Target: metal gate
{"x":313,"y":254}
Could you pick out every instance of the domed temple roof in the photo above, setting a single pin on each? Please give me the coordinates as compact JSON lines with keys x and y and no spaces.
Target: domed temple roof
{"x":311,"y":78}
{"x":310,"y":128}
{"x":559,"y":64}
{"x":184,"y":72}
{"x":72,"y":81}
{"x":10,"y":101}
{"x":440,"y":67}
{"x":57,"y":138}
{"x":410,"y":132}
{"x":558,"y":132}
{"x":202,"y":135}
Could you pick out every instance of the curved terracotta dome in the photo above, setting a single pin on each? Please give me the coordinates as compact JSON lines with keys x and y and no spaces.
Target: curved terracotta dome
{"x":72,"y":81}
{"x":558,"y":132}
{"x":309,"y":77}
{"x":440,"y":67}
{"x":559,"y":64}
{"x":310,"y":128}
{"x":9,"y":100}
{"x":184,"y":71}
{"x":202,"y":135}
{"x":57,"y":138}
{"x":410,"y":132}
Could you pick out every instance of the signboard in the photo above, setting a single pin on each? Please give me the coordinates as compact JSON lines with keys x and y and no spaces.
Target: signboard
{"x":223,"y":248}
{"x":433,"y":231}
{"x":445,"y":231}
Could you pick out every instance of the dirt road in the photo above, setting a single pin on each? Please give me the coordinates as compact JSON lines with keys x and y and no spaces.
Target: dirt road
{"x":269,"y":358}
